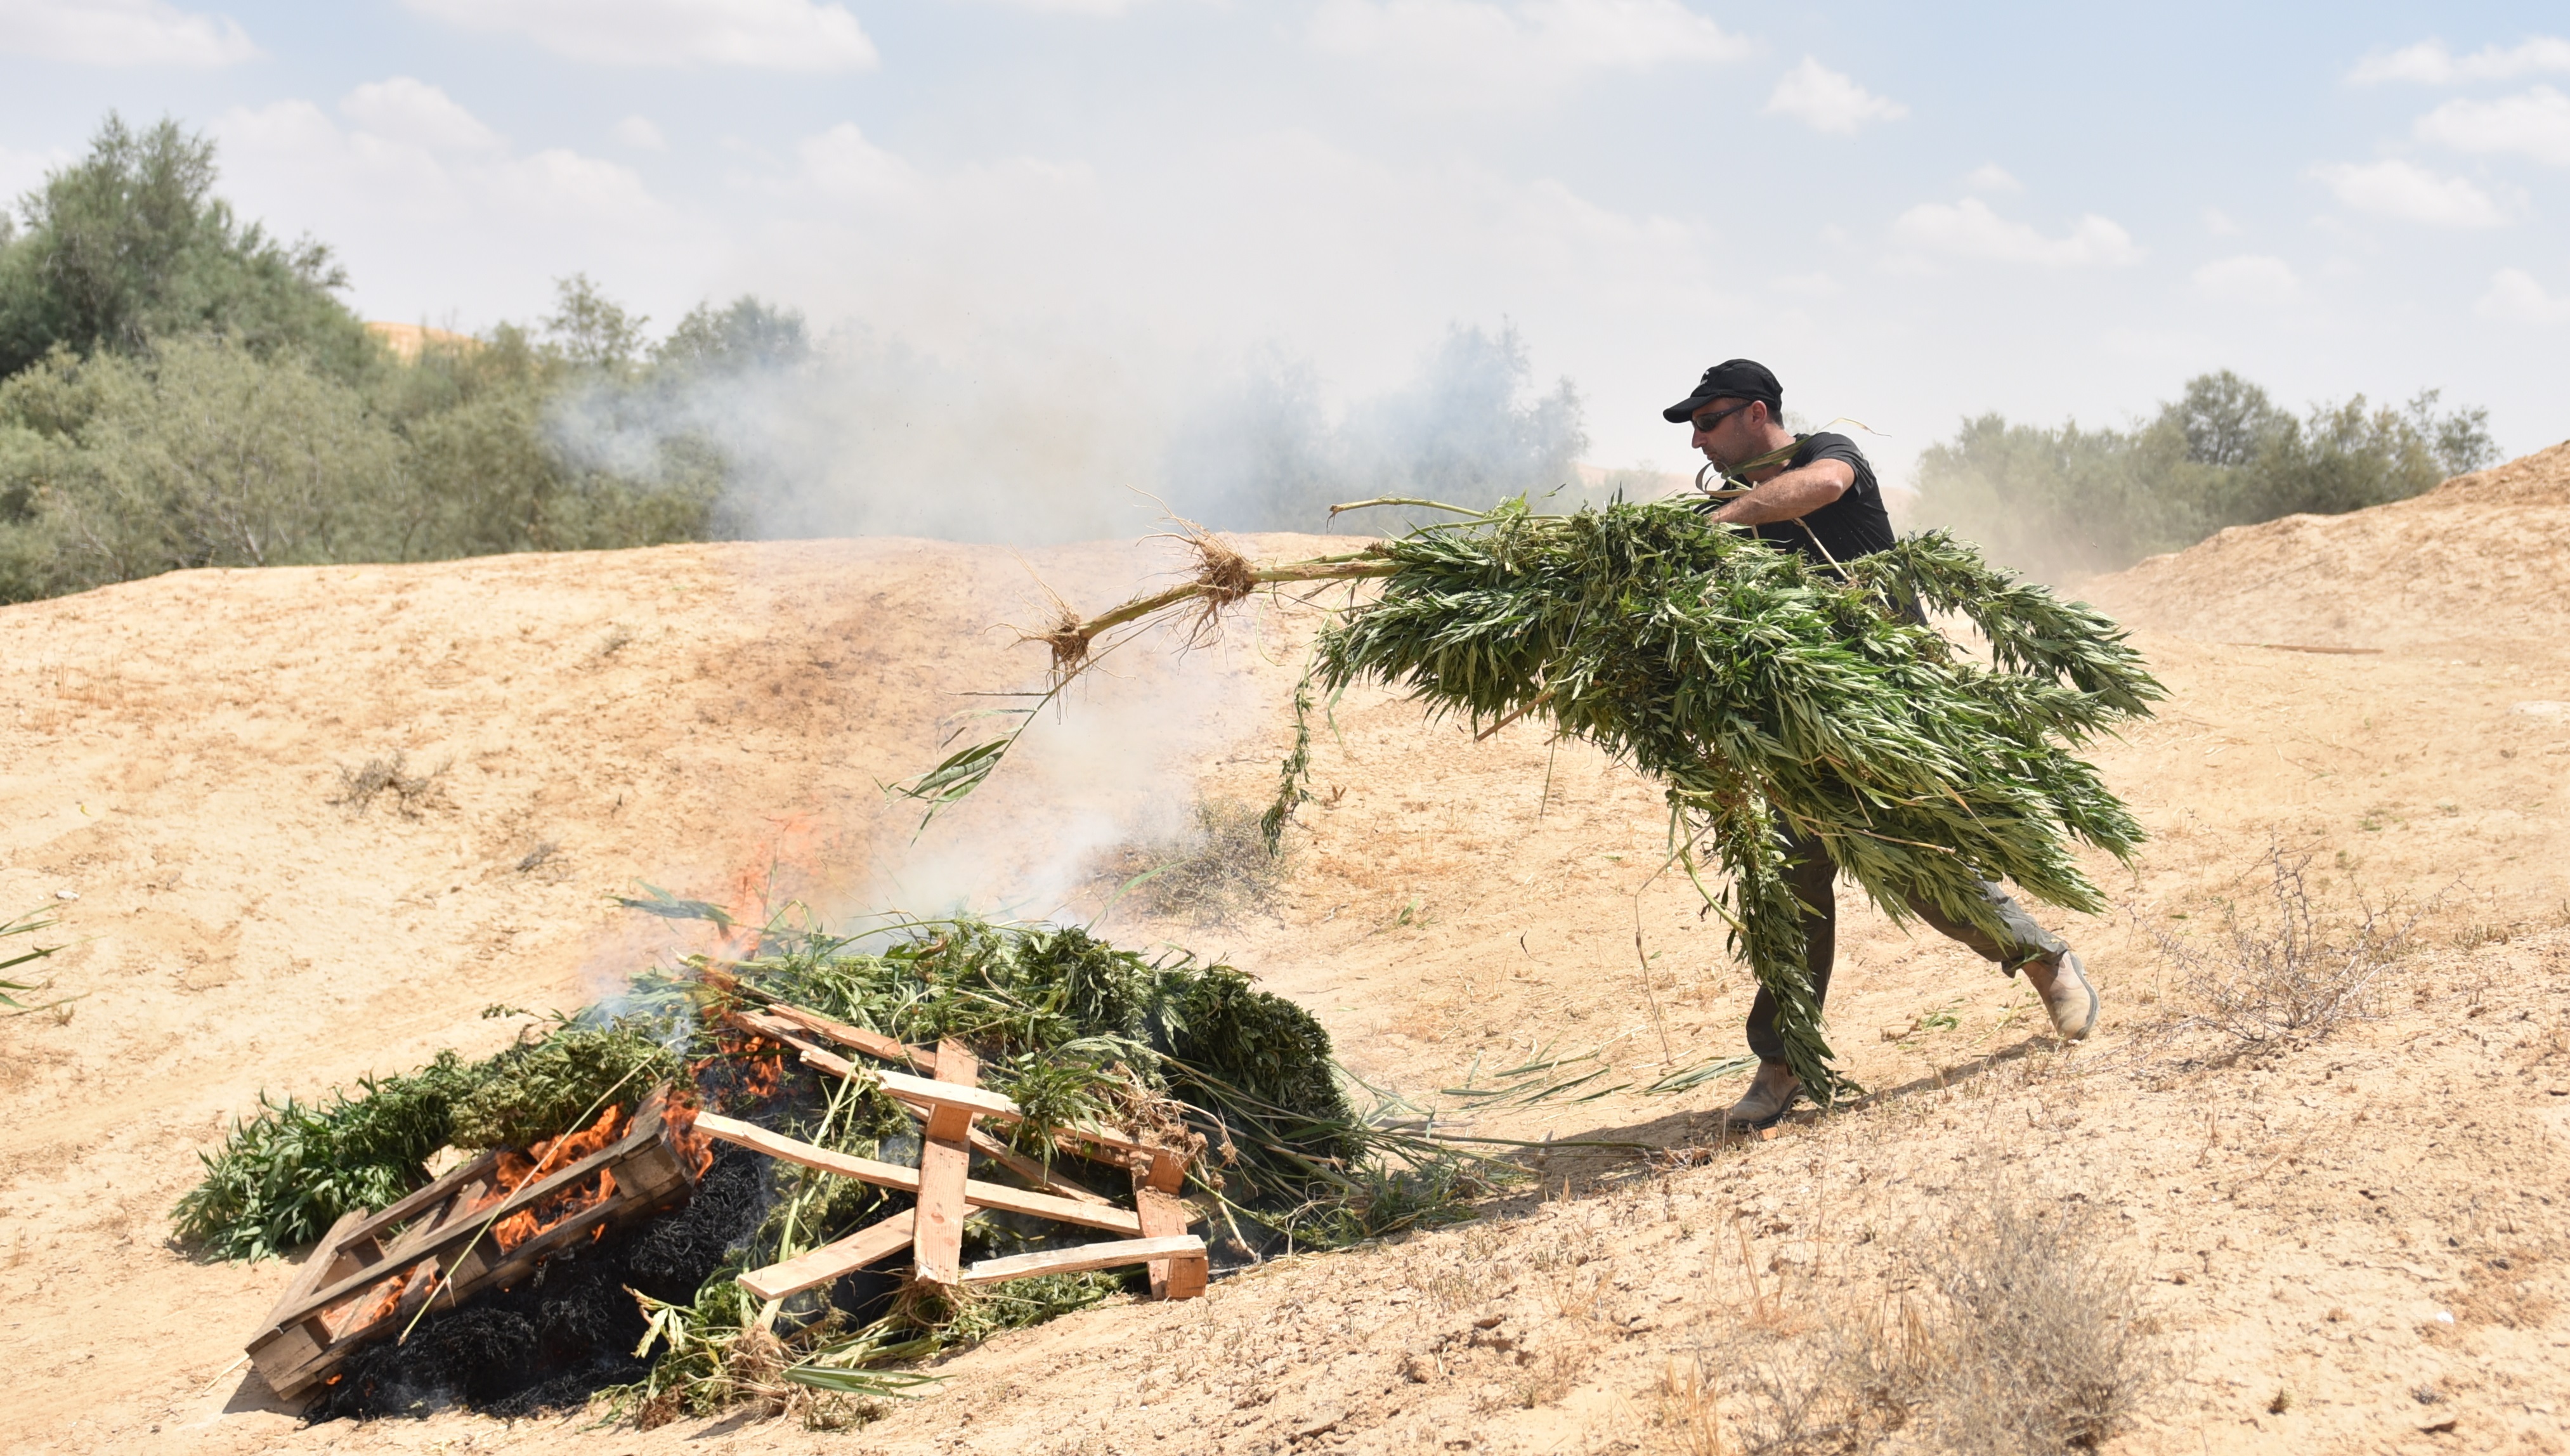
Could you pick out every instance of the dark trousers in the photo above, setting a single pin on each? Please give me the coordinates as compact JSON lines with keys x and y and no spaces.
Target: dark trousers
{"x":1813,"y":876}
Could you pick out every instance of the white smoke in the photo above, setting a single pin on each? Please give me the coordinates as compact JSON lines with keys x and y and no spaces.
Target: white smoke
{"x":871,"y":436}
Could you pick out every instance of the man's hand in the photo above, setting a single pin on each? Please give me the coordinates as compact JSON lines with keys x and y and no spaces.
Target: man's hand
{"x":1790,"y":496}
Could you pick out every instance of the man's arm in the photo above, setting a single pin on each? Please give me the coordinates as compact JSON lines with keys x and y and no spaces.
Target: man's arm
{"x":1790,"y":496}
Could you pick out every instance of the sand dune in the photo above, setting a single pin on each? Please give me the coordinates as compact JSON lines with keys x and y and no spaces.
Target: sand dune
{"x":717,"y":719}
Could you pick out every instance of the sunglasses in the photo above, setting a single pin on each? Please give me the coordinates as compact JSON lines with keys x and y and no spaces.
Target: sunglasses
{"x":1704,"y":425}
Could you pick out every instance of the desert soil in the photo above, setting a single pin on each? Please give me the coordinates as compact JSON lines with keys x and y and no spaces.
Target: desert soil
{"x":2352,"y":1241}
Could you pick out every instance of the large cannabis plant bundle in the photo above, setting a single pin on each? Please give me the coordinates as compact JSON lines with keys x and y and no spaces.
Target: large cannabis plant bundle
{"x":1763,"y":693}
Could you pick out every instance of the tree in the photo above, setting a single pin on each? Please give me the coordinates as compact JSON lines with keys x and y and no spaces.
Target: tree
{"x":746,"y":334}
{"x":590,"y":330}
{"x":2064,"y":501}
{"x":130,"y":245}
{"x":199,"y":454}
{"x":2226,"y":420}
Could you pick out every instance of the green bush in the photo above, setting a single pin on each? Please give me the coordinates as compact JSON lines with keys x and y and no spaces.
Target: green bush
{"x":539,"y":1089}
{"x":197,"y":454}
{"x":2064,"y":501}
{"x":286,"y":1174}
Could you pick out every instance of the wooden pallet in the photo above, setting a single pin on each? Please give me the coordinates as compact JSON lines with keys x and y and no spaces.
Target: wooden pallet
{"x":364,"y":1281}
{"x":947,"y":1103}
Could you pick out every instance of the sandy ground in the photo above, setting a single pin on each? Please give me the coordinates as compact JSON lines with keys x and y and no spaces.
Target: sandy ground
{"x":2355,"y":1244}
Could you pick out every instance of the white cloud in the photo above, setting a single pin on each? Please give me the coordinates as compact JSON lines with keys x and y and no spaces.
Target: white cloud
{"x":1825,"y":101}
{"x":404,"y":109}
{"x":767,"y":35}
{"x":2412,"y":193}
{"x":23,"y":172}
{"x":2536,"y":123}
{"x":437,"y":210}
{"x":841,"y":163}
{"x":1458,"y":50}
{"x":2248,"y":278}
{"x":2219,"y":223}
{"x":2430,"y":63}
{"x":1969,"y":230}
{"x":1072,"y":7}
{"x":639,"y":134}
{"x":119,"y":33}
{"x":2516,"y":297}
{"x":1990,"y":176}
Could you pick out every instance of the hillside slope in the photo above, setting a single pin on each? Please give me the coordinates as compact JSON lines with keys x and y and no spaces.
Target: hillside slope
{"x":2478,"y":558}
{"x":716,"y":719}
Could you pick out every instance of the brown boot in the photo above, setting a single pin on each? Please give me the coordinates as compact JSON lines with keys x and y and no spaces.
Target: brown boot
{"x":2062,"y":982}
{"x":1770,"y":1096}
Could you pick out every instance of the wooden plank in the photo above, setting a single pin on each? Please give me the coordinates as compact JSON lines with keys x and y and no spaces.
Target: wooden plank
{"x":793,"y":1150}
{"x":831,"y":1260}
{"x":978,"y":1194}
{"x":1188,"y":1276}
{"x":279,"y":1358}
{"x":647,"y":1128}
{"x":922,"y":1096}
{"x":1027,"y":1168}
{"x":945,"y":1169}
{"x":872,"y":1044}
{"x":295,"y":1350}
{"x":309,"y":1276}
{"x":404,"y":1210}
{"x":1086,"y":1257}
{"x":1162,"y":1216}
{"x":1033,"y":1170}
{"x":1166,"y":1171}
{"x":785,"y":1032}
{"x":941,"y":1094}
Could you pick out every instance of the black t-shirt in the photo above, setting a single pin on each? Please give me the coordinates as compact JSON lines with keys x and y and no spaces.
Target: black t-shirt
{"x":1854,"y":524}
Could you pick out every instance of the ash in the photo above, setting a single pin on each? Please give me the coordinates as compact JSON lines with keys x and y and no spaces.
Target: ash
{"x":570,"y":1329}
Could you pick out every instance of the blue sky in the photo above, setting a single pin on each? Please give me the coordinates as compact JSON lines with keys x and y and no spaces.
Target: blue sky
{"x":2045,"y":210}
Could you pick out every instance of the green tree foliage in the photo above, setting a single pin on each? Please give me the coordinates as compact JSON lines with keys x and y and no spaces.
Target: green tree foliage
{"x":2065,"y":500}
{"x":745,"y":334}
{"x":196,"y":454}
{"x":486,"y":467}
{"x":178,"y":390}
{"x":130,"y":245}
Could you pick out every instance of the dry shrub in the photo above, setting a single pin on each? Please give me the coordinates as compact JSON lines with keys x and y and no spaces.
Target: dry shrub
{"x":1218,"y":869}
{"x":2042,"y":1334}
{"x":412,"y":793}
{"x":2297,"y":976}
{"x":2017,"y":1337}
{"x":1688,"y":1411}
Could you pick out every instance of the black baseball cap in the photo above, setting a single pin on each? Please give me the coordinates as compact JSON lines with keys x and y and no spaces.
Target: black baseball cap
{"x":1741,"y":379}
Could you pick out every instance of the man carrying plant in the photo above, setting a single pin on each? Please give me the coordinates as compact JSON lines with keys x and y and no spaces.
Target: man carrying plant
{"x":1816,"y":495}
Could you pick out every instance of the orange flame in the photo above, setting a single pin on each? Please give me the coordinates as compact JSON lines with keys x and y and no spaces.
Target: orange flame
{"x":745,"y":1070}
{"x":520,"y":1170}
{"x":695,"y":1149}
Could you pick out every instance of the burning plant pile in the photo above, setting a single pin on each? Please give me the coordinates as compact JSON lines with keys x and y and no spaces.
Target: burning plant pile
{"x":696,"y":1201}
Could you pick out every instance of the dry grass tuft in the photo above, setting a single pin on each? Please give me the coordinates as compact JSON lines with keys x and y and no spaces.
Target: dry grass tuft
{"x":2297,"y":977}
{"x":414,"y":794}
{"x":1688,"y":1412}
{"x":2016,"y":1337}
{"x":1214,"y":872}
